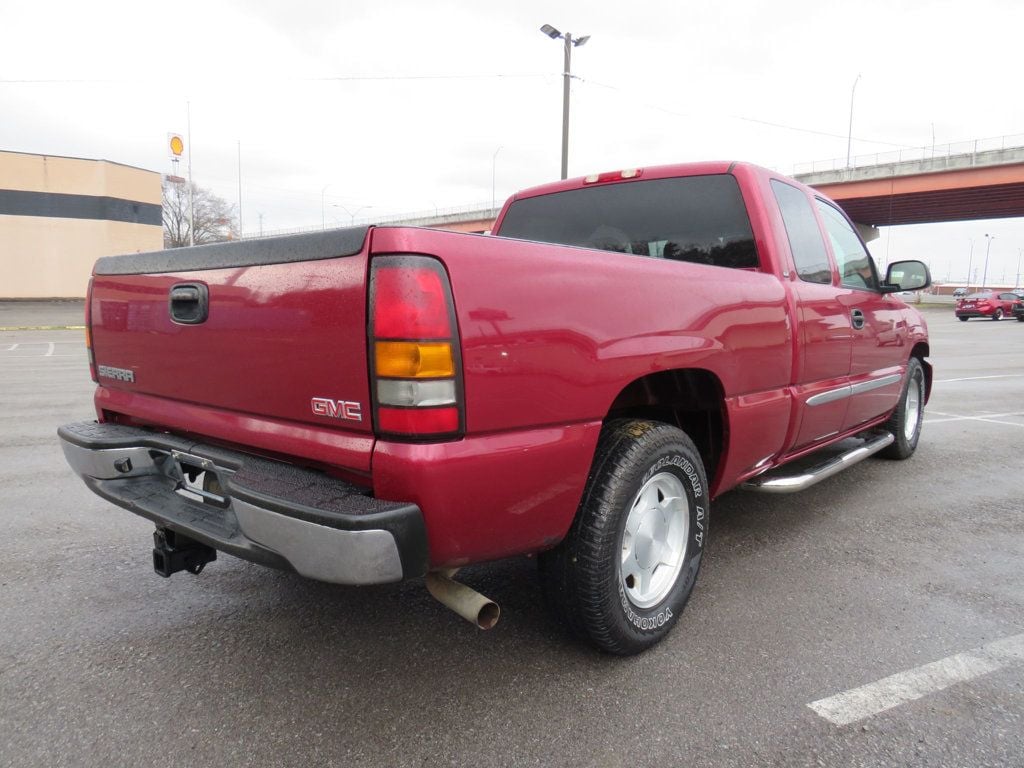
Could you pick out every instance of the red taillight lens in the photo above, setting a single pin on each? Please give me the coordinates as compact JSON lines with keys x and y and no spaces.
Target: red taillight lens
{"x":88,"y":332}
{"x":410,"y":304}
{"x":414,"y":362}
{"x":418,"y":421}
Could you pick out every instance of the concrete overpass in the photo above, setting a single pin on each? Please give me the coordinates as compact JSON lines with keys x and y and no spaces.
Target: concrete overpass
{"x":961,"y":186}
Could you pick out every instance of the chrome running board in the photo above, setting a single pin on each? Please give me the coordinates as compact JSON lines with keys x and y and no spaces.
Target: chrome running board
{"x":809,"y":477}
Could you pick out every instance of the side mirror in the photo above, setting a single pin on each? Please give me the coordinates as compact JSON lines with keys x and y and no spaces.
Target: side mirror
{"x":906,"y":276}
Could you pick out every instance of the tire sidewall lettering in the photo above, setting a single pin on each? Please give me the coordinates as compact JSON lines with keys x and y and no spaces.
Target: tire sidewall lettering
{"x":650,"y":620}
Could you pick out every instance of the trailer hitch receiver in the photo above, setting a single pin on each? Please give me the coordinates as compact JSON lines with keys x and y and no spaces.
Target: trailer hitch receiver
{"x":173,"y":552}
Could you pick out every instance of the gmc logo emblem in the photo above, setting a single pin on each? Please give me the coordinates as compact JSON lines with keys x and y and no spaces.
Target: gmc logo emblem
{"x":337,"y":409}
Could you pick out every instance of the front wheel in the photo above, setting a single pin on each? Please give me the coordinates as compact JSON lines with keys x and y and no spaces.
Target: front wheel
{"x":625,"y":571}
{"x":905,"y":422}
{"x":963,"y":319}
{"x":998,"y":314}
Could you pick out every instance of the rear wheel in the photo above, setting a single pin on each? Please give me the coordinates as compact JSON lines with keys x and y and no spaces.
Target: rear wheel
{"x":998,"y":314}
{"x":963,"y":319}
{"x":905,"y":422}
{"x":626,"y":569}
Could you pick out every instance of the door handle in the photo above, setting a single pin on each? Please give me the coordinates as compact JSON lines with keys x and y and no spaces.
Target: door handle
{"x":189,"y":303}
{"x":857,"y":319}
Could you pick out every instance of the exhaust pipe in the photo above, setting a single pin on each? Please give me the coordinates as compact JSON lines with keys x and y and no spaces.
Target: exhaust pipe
{"x":465,"y":601}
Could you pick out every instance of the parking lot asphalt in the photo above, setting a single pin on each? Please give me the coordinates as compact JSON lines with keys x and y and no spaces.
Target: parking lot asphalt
{"x":893,"y":592}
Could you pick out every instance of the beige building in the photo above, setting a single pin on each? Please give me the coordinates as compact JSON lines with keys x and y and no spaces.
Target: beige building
{"x":59,"y":214}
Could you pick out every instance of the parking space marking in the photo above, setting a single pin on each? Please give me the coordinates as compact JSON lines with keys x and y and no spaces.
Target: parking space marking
{"x":993,"y":418}
{"x":50,"y":348}
{"x":889,"y":692}
{"x":982,"y":378}
{"x":11,"y":348}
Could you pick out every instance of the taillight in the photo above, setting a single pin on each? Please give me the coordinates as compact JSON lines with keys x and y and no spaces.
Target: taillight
{"x":414,"y":350}
{"x":88,"y":332}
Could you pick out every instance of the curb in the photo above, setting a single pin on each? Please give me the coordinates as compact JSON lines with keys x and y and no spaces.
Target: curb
{"x":42,"y":327}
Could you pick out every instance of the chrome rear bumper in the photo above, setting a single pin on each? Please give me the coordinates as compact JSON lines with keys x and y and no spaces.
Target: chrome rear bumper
{"x":269,"y":512}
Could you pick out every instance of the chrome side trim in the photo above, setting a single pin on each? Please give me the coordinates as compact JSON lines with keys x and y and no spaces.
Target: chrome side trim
{"x":847,"y":390}
{"x":867,"y":386}
{"x":814,"y":475}
{"x":831,"y":396}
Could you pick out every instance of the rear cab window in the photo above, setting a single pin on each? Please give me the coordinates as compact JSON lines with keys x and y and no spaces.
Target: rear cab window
{"x":699,"y":219}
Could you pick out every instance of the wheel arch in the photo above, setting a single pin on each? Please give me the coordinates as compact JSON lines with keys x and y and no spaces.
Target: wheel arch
{"x":692,"y":399}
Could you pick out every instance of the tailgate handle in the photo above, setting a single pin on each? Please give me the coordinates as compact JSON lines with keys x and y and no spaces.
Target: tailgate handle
{"x":189,"y":303}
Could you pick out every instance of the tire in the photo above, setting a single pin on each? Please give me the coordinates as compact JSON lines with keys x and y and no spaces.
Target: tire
{"x":905,"y":422}
{"x":1020,"y":318}
{"x":963,"y":319}
{"x":998,"y":314}
{"x":601,"y":581}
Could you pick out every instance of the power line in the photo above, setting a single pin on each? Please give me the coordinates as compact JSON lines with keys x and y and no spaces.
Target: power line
{"x":746,"y":119}
{"x":323,"y":79}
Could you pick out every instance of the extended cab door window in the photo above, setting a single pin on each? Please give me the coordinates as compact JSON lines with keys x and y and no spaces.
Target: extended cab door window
{"x":856,"y":269}
{"x":809,"y":255}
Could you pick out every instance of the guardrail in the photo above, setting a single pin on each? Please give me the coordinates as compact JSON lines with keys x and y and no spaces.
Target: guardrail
{"x":931,"y":152}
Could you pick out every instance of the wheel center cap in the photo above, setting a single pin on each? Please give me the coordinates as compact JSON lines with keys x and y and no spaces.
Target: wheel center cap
{"x":647,"y":543}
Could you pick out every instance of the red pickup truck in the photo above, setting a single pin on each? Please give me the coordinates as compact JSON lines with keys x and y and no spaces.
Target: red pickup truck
{"x":367,"y":405}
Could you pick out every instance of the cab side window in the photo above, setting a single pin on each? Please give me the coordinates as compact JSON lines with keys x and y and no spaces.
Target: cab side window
{"x":856,"y":269}
{"x":805,"y":243}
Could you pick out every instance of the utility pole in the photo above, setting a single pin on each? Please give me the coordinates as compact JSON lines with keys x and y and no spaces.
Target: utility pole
{"x":191,"y":189}
{"x":261,"y":223}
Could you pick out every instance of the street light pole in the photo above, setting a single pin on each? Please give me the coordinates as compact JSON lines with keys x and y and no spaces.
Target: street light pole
{"x":849,"y":134}
{"x":323,"y":208}
{"x":494,"y":172}
{"x":570,"y":43}
{"x":984,"y":274}
{"x":970,"y":259}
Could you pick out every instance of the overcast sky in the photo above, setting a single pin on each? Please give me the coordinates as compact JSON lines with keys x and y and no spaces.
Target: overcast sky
{"x":378,"y":108}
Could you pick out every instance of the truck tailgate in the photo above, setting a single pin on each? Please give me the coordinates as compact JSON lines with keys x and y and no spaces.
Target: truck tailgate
{"x":284,"y":336}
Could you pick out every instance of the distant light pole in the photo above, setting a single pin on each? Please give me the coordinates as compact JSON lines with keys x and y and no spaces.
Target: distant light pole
{"x":351,"y":216}
{"x":1020,"y":252}
{"x":554,"y":34}
{"x":970,"y":259}
{"x":323,"y":208}
{"x":849,"y":134}
{"x":494,"y":172}
{"x":984,"y":274}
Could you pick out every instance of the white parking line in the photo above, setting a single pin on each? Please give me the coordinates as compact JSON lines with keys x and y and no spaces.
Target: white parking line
{"x":992,"y":418}
{"x":11,"y":348}
{"x":49,"y":350}
{"x":982,"y":378}
{"x":871,"y":699}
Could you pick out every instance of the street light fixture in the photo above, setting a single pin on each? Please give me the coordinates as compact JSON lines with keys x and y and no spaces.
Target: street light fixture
{"x":351,"y":216}
{"x":570,"y":43}
{"x":984,"y":274}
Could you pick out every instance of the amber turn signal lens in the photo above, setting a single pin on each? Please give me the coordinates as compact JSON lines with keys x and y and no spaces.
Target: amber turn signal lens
{"x":414,"y":359}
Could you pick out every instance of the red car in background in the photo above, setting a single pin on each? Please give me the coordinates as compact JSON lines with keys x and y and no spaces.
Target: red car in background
{"x":990,"y":304}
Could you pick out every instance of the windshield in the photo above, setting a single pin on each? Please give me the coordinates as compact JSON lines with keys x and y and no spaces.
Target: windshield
{"x":700,"y":219}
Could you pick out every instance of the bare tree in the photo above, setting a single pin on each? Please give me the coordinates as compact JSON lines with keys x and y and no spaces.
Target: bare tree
{"x":214,"y":219}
